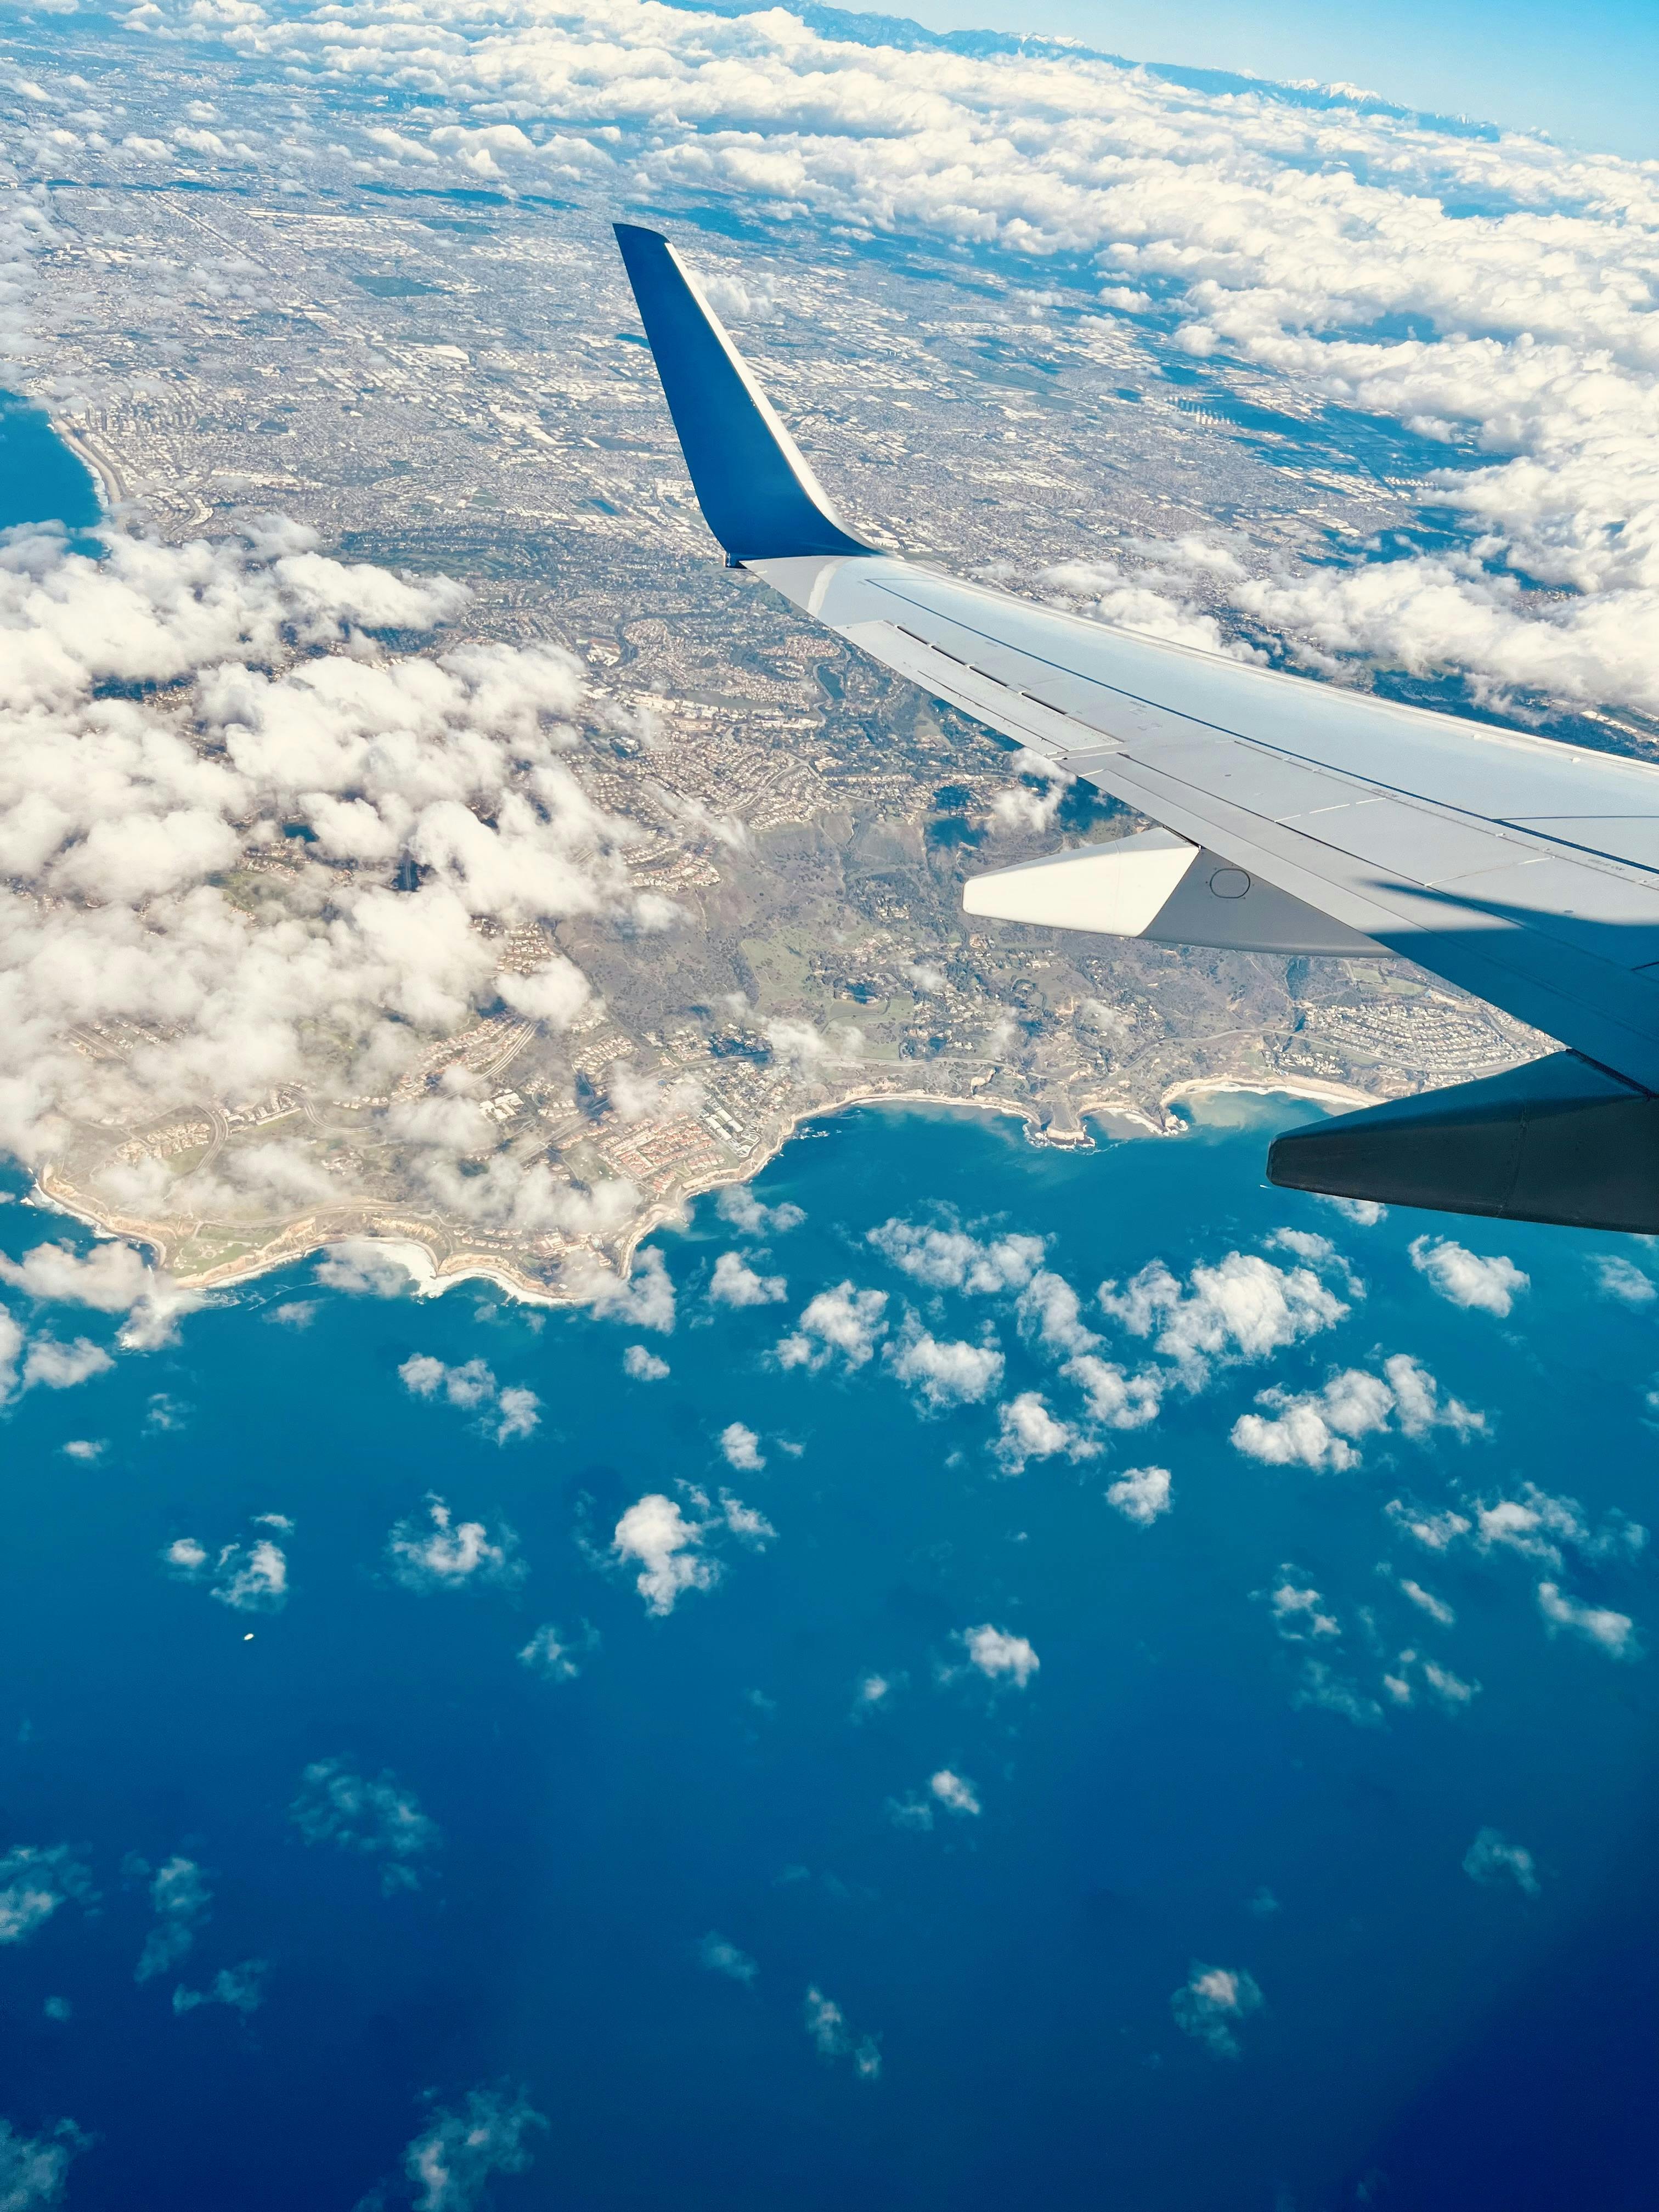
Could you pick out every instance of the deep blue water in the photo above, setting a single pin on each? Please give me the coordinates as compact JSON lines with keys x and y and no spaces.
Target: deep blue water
{"x":1424,"y":2040}
{"x":41,"y":479}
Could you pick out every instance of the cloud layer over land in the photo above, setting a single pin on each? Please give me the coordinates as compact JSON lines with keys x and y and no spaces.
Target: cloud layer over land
{"x":1492,"y":295}
{"x":249,"y":846}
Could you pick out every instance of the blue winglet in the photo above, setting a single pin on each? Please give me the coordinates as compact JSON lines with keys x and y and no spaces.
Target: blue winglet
{"x":756,"y":493}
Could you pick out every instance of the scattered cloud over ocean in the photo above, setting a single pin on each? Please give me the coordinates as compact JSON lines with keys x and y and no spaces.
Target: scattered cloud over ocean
{"x":181,"y":1900}
{"x":242,"y":1988}
{"x":1213,"y":2004}
{"x":1412,"y":1673}
{"x":1049,"y":1312}
{"x":1241,"y":1309}
{"x":1492,"y":1859}
{"x":249,"y":1577}
{"x":1541,"y":1526}
{"x":556,"y":1657}
{"x":720,"y":1957}
{"x":1141,"y":1494}
{"x":33,"y":2169}
{"x":943,"y":1373}
{"x":1598,"y":1625}
{"x":1298,"y":1611}
{"x":450,"y":2165}
{"x":1028,"y":1430}
{"x":434,"y":1550}
{"x":1436,"y":1609}
{"x":1116,"y":1399}
{"x":1619,"y":1278}
{"x":645,"y":1300}
{"x":656,"y":1533}
{"x":844,"y":1324}
{"x":948,"y":1258}
{"x":955,"y":1793}
{"x":670,"y":1546}
{"x":35,"y":1881}
{"x":1000,"y":1655}
{"x":1465,"y":1278}
{"x":740,"y":1448}
{"x":735,"y":1283}
{"x":1323,"y":1429}
{"x":374,"y":1817}
{"x":738,"y":1204}
{"x":1321,"y":1688}
{"x":826,"y":2023}
{"x":508,"y":1412}
{"x":43,"y":1362}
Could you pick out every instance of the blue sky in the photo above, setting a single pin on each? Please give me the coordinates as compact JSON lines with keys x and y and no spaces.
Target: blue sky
{"x":1587,"y":74}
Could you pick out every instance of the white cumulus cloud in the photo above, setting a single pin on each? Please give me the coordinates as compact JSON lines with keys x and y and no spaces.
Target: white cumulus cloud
{"x":752,"y":1216}
{"x":741,"y":1447}
{"x":1141,"y":1494}
{"x":956,"y":1793}
{"x":434,"y":1550}
{"x":999,"y":1654}
{"x":1029,"y":1430}
{"x":735,"y":1283}
{"x":1050,"y":1312}
{"x":248,"y":1577}
{"x":1610,"y":1632}
{"x":1490,"y":1286}
{"x":1116,"y":1399}
{"x":510,"y":1410}
{"x":668,"y":1548}
{"x":844,"y":1323}
{"x":1243,"y":1308}
{"x":1620,"y":1278}
{"x":952,"y":1260}
{"x":944,"y":1374}
{"x":1323,"y":1429}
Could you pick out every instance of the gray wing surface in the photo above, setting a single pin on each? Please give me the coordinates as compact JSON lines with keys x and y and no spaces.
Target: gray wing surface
{"x":1296,"y":817}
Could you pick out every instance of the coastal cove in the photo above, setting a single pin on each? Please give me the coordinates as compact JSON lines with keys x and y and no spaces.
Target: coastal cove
{"x":434,"y":1265}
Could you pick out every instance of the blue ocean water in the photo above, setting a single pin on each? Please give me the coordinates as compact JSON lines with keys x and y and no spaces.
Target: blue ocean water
{"x":41,"y":479}
{"x":619,"y":1893}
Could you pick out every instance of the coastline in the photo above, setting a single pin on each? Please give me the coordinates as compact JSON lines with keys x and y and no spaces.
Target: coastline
{"x":1322,"y":1094}
{"x":431,"y":1275}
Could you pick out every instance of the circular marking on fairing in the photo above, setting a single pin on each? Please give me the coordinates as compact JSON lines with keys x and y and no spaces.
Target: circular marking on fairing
{"x":1229,"y":883}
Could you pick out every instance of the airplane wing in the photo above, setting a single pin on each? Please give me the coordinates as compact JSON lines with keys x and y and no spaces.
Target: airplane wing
{"x":1297,"y":817}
